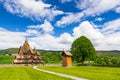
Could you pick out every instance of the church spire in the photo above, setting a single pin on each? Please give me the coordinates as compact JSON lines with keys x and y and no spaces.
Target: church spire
{"x":26,"y":40}
{"x":26,"y":45}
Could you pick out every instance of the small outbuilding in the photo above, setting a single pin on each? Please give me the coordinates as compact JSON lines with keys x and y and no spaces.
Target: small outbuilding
{"x":66,"y":59}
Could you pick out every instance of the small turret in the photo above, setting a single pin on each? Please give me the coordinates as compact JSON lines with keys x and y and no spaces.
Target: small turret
{"x":34,"y":49}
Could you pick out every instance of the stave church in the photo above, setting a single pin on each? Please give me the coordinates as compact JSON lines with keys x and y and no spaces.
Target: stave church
{"x":26,"y":55}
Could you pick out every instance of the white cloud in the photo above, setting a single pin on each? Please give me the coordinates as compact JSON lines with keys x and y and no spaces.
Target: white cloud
{"x":31,"y":8}
{"x":111,"y":27}
{"x":88,"y":30}
{"x":117,"y":9}
{"x":101,"y":40}
{"x":49,"y":42}
{"x":100,"y":6}
{"x":32,"y":32}
{"x":46,"y":27}
{"x":64,"y":1}
{"x":99,"y":19}
{"x":89,"y":8}
{"x":82,"y":4}
{"x":10,"y":39}
{"x":72,"y":17}
{"x":46,"y":41}
{"x":65,"y":38}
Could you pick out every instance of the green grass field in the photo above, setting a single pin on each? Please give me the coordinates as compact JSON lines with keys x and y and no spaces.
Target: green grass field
{"x":89,"y":72}
{"x":6,"y":59}
{"x":26,"y":73}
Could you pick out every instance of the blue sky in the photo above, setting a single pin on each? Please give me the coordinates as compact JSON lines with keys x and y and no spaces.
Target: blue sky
{"x":55,"y":24}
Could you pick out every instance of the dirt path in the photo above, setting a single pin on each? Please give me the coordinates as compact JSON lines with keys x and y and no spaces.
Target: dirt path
{"x":59,"y":74}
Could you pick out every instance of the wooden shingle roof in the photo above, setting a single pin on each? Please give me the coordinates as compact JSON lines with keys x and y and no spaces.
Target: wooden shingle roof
{"x":67,"y":53}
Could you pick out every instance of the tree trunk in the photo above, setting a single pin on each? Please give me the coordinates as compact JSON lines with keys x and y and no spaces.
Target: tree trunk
{"x":83,"y":60}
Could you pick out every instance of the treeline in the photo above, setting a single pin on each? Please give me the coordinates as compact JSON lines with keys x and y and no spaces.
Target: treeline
{"x":103,"y":57}
{"x":107,"y":60}
{"x":51,"y":56}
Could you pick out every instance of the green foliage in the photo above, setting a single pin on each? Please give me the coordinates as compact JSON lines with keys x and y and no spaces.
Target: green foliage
{"x":9,"y":51}
{"x":89,"y":72}
{"x":26,"y":73}
{"x":82,"y":49}
{"x":106,"y":60}
{"x":51,"y":56}
{"x":6,"y":59}
{"x":47,"y":56}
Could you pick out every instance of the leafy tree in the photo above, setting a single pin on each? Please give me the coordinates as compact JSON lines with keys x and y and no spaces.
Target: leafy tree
{"x":82,"y":49}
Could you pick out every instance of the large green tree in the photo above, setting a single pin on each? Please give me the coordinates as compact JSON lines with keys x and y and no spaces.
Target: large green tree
{"x":82,"y":49}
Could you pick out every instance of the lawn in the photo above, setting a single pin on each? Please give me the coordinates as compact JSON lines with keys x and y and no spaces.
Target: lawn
{"x":89,"y":72}
{"x":6,"y":59}
{"x":26,"y":73}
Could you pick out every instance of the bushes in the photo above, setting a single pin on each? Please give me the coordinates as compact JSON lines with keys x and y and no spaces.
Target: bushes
{"x":105,"y":60}
{"x":51,"y":56}
{"x":6,"y":59}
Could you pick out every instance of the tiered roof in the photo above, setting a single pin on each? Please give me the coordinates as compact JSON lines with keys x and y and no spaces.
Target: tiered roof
{"x":27,"y":56}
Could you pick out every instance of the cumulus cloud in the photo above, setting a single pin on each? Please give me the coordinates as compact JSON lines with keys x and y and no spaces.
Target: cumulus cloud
{"x":100,"y":38}
{"x":10,"y":39}
{"x":31,"y":8}
{"x":32,"y":32}
{"x":45,"y":28}
{"x":87,"y":29}
{"x":65,"y":38}
{"x":49,"y":42}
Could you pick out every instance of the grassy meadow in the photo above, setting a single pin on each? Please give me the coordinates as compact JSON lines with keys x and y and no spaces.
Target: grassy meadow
{"x":54,"y":57}
{"x":6,"y":59}
{"x":89,"y":72}
{"x":26,"y":73}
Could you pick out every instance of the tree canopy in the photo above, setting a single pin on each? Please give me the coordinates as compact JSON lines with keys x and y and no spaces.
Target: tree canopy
{"x":82,"y":49}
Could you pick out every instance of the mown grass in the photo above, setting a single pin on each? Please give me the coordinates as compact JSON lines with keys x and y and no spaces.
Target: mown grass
{"x":6,"y":59}
{"x":89,"y":72}
{"x":26,"y":73}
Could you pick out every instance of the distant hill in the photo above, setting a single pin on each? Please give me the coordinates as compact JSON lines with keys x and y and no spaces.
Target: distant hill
{"x":9,"y":51}
{"x":47,"y":55}
{"x":99,"y":53}
{"x":108,"y":53}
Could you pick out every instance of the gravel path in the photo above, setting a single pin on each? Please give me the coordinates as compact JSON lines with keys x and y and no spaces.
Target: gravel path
{"x":59,"y":74}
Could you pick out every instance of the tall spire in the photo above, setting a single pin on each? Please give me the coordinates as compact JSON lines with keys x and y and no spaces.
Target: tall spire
{"x":26,"y":45}
{"x":26,"y":40}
